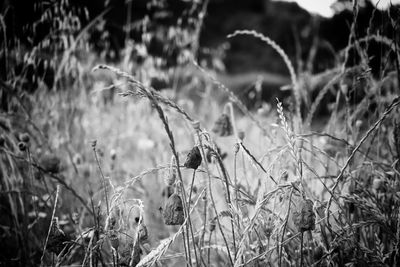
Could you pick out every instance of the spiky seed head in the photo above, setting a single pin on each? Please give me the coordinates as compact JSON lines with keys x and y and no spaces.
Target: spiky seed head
{"x":24,"y":137}
{"x":22,"y":146}
{"x":223,"y":126}
{"x":303,"y":215}
{"x":173,"y":211}
{"x":193,"y":159}
{"x":50,"y":163}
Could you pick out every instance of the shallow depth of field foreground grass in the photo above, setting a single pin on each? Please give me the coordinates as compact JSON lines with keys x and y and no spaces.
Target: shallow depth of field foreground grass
{"x":101,"y":169}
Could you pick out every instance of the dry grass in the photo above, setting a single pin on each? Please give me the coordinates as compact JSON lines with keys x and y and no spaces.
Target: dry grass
{"x":105,"y":155}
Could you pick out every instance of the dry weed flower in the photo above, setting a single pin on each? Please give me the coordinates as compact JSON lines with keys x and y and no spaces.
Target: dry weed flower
{"x":173,"y":211}
{"x":24,"y":137}
{"x":223,"y":126}
{"x":57,"y":238}
{"x":193,"y":159}
{"x":50,"y":163}
{"x":22,"y":146}
{"x":303,"y":215}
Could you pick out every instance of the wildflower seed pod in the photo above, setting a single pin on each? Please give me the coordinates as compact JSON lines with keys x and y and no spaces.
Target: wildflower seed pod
{"x":223,"y":126}
{"x":193,"y":159}
{"x":50,"y":163}
{"x":24,"y":137}
{"x":57,"y":238}
{"x":22,"y":146}
{"x":114,"y":241}
{"x":303,"y":215}
{"x":173,"y":211}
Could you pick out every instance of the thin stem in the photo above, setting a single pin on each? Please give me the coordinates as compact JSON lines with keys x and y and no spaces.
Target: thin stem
{"x":103,"y":179}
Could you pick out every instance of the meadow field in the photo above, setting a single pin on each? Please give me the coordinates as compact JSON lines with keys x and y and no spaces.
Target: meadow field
{"x":133,"y":160}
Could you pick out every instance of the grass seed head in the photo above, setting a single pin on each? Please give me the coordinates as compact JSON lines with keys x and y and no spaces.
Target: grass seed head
{"x":193,"y":159}
{"x":173,"y":211}
{"x":223,"y":126}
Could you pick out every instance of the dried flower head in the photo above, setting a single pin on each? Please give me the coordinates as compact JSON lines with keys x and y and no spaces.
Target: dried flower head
{"x":24,"y":137}
{"x":50,"y":163}
{"x":303,"y":215}
{"x":57,"y":238}
{"x":193,"y":159}
{"x":173,"y":211}
{"x":22,"y":146}
{"x":223,"y":126}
